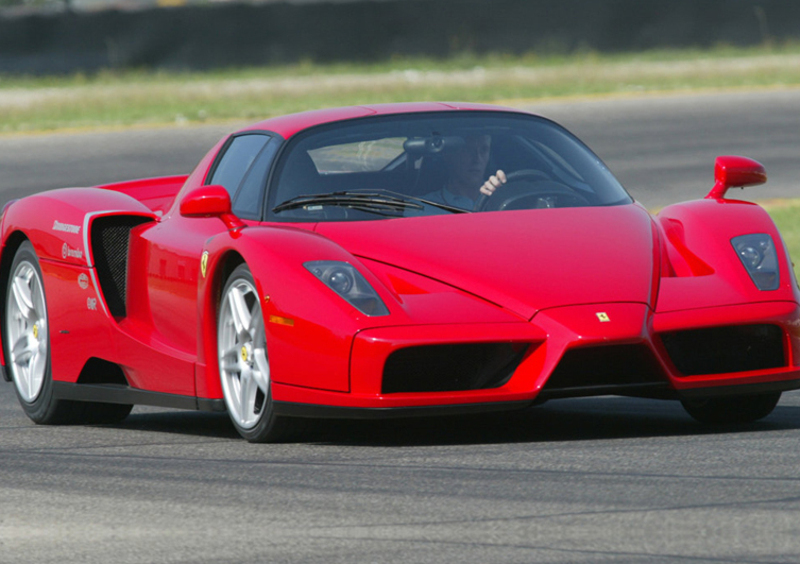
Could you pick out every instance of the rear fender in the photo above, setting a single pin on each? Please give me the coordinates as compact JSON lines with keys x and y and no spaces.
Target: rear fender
{"x":58,"y":222}
{"x":60,"y":225}
{"x":309,"y":328}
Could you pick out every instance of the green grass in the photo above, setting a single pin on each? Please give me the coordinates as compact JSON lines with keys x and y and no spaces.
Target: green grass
{"x":142,"y":98}
{"x":786,"y":215}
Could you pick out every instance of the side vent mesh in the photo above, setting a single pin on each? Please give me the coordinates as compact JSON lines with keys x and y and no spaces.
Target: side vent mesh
{"x":110,"y":246}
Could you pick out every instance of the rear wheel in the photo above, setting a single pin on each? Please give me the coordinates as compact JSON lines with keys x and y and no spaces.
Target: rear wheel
{"x":244,"y":362}
{"x":27,"y":351}
{"x":728,"y":410}
{"x":27,"y":340}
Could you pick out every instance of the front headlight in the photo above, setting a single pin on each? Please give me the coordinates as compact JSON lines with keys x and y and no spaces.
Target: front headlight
{"x":758,"y":255}
{"x":348,"y":282}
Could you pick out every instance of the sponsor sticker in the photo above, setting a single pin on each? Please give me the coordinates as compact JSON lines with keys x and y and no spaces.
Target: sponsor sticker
{"x":91,"y":304}
{"x":65,"y":227}
{"x":83,"y":281}
{"x":67,"y":251}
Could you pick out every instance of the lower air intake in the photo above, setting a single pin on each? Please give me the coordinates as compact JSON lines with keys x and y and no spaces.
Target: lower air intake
{"x":720,"y":350}
{"x":451,"y":368}
{"x":607,"y":370}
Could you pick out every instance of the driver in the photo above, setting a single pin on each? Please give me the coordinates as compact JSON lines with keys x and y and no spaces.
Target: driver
{"x":466,"y":170}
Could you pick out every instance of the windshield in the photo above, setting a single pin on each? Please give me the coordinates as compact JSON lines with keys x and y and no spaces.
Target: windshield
{"x":437,"y":164}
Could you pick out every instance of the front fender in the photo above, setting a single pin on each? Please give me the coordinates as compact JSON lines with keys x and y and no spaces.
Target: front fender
{"x":705,"y":270}
{"x":310,"y":329}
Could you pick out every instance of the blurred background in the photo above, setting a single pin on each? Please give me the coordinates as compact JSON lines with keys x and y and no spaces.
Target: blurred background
{"x":64,"y":36}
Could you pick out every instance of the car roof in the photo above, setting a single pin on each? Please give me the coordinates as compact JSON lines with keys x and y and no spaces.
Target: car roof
{"x":289,"y":125}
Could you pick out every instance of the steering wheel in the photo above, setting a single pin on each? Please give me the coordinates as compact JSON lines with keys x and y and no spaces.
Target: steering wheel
{"x":536,"y":184}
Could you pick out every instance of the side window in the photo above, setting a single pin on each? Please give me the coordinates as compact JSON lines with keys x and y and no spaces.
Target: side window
{"x":237,"y":160}
{"x":247,"y":202}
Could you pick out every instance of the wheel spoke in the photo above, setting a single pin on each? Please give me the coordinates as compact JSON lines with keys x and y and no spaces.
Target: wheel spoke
{"x":229,"y":359}
{"x":247,"y":396}
{"x":22,"y":351}
{"x":38,"y":362}
{"x":261,"y":370}
{"x":256,"y":325}
{"x":239,"y":311}
{"x":22,"y":294}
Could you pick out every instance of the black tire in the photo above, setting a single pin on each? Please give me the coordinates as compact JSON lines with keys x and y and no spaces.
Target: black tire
{"x":731,"y":410}
{"x":243,"y":361}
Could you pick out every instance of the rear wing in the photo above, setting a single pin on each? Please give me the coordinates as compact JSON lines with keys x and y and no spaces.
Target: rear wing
{"x":156,"y":193}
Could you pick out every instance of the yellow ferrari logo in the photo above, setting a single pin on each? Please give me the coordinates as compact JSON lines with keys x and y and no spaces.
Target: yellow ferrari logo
{"x":204,"y":263}
{"x":602,"y":316}
{"x":244,"y":354}
{"x":35,"y":331}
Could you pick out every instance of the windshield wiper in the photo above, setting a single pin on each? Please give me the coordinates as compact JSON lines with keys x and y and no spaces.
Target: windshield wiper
{"x":384,"y":202}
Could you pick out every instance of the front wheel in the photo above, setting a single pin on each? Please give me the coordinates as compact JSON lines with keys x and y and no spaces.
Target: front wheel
{"x":730,"y":410}
{"x":244,"y":362}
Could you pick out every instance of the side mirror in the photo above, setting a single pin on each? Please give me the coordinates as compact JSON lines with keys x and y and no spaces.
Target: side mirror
{"x":730,"y":172}
{"x":210,"y":201}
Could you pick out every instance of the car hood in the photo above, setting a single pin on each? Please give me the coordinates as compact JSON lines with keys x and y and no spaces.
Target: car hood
{"x":524,"y":260}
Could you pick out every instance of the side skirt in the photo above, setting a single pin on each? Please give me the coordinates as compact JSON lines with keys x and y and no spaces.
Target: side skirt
{"x":113,"y":393}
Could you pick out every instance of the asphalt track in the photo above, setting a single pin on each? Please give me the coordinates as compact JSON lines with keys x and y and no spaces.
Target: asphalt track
{"x":590,"y":480}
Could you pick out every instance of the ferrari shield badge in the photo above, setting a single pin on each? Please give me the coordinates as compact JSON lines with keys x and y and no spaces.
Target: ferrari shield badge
{"x":602,"y":316}
{"x":204,"y":263}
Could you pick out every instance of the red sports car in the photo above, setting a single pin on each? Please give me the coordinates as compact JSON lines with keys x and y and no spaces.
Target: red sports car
{"x":392,"y":261}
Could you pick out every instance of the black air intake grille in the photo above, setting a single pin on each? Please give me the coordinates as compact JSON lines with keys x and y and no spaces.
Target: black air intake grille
{"x":720,"y":350}
{"x":450,"y":368}
{"x":99,"y":371}
{"x":613,"y":369}
{"x":110,"y":245}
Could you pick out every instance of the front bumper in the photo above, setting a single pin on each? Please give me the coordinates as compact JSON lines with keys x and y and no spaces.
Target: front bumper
{"x":585,"y":350}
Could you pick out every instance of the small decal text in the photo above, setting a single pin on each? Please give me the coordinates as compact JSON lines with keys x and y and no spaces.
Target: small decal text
{"x":65,"y":227}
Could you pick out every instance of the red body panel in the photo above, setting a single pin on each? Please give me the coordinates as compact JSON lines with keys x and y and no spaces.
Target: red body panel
{"x":523,"y":261}
{"x":556,"y":280}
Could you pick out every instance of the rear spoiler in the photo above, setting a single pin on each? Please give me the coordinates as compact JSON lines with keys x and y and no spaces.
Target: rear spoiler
{"x":156,"y":193}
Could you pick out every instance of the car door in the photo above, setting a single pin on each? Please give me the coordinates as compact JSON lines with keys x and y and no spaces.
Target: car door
{"x":175,"y":245}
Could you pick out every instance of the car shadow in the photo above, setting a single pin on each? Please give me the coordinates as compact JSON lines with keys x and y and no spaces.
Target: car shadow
{"x":196,"y":423}
{"x":593,"y":419}
{"x":563,"y":420}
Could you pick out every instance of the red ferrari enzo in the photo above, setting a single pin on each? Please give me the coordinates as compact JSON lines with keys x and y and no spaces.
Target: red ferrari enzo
{"x":392,"y":261}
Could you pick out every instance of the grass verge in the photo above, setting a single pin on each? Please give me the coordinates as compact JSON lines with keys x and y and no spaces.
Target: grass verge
{"x":147,"y":98}
{"x":786,"y":215}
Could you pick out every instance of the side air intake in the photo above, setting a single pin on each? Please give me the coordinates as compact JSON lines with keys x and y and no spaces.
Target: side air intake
{"x":110,"y":247}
